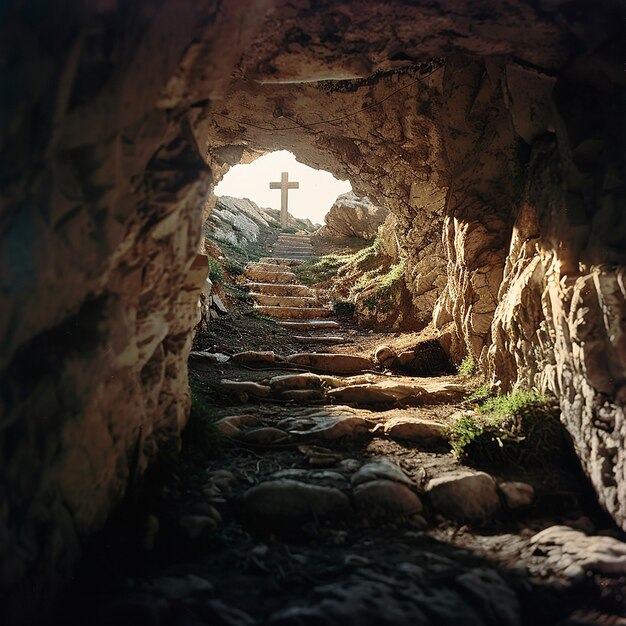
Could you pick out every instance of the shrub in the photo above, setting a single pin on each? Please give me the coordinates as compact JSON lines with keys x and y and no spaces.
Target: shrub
{"x":467,"y":367}
{"x":519,"y":429}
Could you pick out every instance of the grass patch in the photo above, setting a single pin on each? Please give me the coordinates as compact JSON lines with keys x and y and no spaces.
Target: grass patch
{"x":518,"y":430}
{"x":240,"y":294}
{"x":479,"y":395}
{"x":467,"y":367}
{"x":330,"y":265}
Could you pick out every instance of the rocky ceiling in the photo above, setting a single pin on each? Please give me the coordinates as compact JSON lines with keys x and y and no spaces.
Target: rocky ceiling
{"x":494,"y":131}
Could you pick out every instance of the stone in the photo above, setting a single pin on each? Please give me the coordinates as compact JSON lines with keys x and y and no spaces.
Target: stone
{"x":517,"y":495}
{"x":254,"y":358}
{"x":386,"y":498}
{"x":218,"y":304}
{"x":415,"y":430}
{"x":381,"y":468}
{"x":195,"y":526}
{"x":210,"y":357}
{"x":265,"y":436}
{"x":383,"y":354}
{"x":234,"y":425}
{"x":246,"y":386}
{"x":306,"y":380}
{"x":570,"y":553}
{"x":351,"y":216}
{"x":332,"y":363}
{"x":303,"y":395}
{"x":295,"y":501}
{"x":464,"y":495}
{"x":328,"y":423}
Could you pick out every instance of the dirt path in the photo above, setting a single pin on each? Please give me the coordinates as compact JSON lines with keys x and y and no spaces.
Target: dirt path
{"x":321,"y":490}
{"x":315,"y":513}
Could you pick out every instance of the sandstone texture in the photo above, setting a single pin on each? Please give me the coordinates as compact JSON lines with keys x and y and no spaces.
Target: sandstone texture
{"x":493,"y":132}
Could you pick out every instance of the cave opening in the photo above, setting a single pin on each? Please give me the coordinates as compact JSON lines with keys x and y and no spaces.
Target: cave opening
{"x":318,"y":188}
{"x":368,"y":423}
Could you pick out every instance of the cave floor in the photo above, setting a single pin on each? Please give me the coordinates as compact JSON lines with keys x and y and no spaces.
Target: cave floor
{"x":264,"y":528}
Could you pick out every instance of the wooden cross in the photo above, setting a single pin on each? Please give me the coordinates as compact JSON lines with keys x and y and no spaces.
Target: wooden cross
{"x":284,"y":185}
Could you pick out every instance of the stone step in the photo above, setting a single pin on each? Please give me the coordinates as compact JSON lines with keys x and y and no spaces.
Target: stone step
{"x":301,"y":257}
{"x":309,"y":325}
{"x":268,"y":267}
{"x":280,"y":261}
{"x":326,"y":339}
{"x":288,"y":251}
{"x":293,"y":313}
{"x":276,"y":289}
{"x":293,"y":244}
{"x":288,"y":301}
{"x":292,"y":237}
{"x":263,"y":276}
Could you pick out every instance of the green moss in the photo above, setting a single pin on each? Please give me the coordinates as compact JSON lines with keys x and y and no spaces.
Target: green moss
{"x":517,"y":430}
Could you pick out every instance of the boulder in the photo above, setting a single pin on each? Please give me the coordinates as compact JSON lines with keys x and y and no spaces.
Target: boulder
{"x":351,"y":216}
{"x":380,"y":469}
{"x":332,"y":363}
{"x":415,"y":430}
{"x":516,"y":494}
{"x":386,"y":498}
{"x":292,"y":500}
{"x":464,"y":495}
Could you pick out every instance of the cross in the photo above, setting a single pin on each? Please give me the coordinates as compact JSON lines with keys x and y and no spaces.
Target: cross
{"x":284,"y":185}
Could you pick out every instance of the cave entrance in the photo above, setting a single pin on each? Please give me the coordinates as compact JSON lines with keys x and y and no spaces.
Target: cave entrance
{"x":317,"y":190}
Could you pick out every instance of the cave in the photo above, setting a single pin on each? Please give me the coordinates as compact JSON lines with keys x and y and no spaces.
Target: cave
{"x":494,"y":133}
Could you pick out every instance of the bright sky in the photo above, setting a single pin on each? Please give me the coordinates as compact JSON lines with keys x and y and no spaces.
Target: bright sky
{"x":318,"y":189}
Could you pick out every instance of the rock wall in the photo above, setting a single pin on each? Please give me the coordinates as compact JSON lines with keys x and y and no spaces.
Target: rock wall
{"x":121,"y":115}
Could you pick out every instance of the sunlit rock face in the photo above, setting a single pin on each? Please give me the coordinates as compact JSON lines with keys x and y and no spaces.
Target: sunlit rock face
{"x":503,"y":169}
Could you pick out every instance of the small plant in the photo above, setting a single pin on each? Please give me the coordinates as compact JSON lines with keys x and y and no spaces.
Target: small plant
{"x":216,"y":273}
{"x":513,"y":403}
{"x":343,"y":308}
{"x":240,"y":294}
{"x":462,"y":434}
{"x":291,"y":230}
{"x":479,"y":395}
{"x":467,"y":367}
{"x":520,"y":429}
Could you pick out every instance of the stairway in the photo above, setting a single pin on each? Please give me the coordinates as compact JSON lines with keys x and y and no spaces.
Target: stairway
{"x":293,"y":247}
{"x":277,"y":294}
